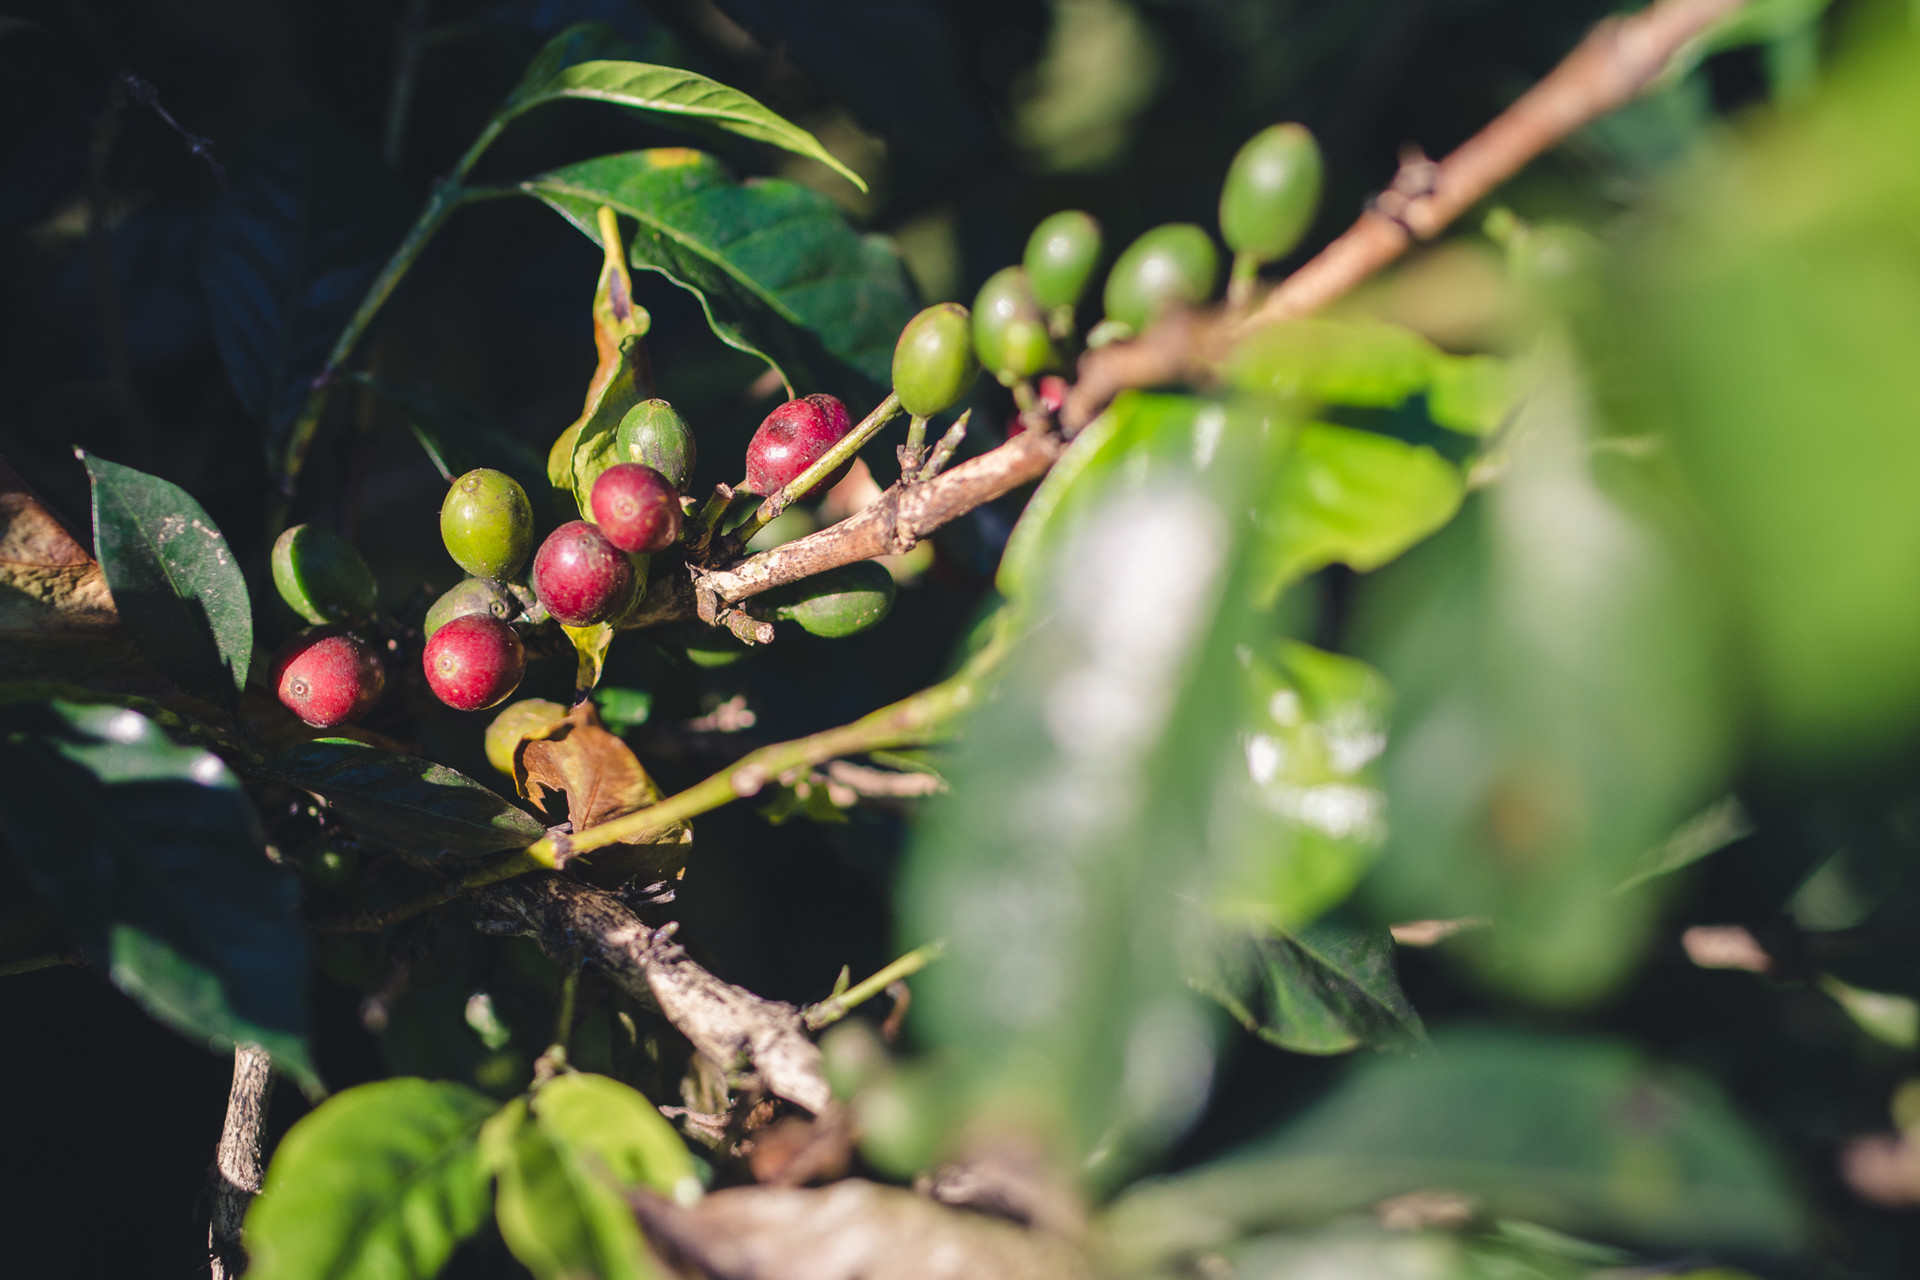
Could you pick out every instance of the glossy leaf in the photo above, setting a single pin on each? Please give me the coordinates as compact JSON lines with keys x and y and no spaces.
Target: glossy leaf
{"x":574,"y":65}
{"x":1083,"y":801}
{"x":1327,"y":988}
{"x":780,"y":272}
{"x":292,"y":244}
{"x":175,"y":582}
{"x":380,"y":1182}
{"x":1556,"y":663}
{"x":1577,"y":1135}
{"x":1352,"y":497}
{"x":154,"y":858}
{"x":561,"y":1218}
{"x":601,"y":1120}
{"x":422,"y":809}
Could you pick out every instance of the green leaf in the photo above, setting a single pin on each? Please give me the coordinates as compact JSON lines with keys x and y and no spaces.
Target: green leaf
{"x":1577,"y":1135}
{"x":562,"y":1218}
{"x":1471,"y":394}
{"x":175,"y":581}
{"x":1316,"y":362}
{"x":622,"y":709}
{"x":601,"y":1120}
{"x":1561,"y":705}
{"x":377,"y":1183}
{"x":1355,"y":497}
{"x":422,"y":809}
{"x":153,"y":856}
{"x":777,"y":268}
{"x":574,"y":65}
{"x":1328,"y":988}
{"x":1091,"y":780}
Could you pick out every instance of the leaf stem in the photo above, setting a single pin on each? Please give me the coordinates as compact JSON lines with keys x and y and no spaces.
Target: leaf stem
{"x":801,"y":485}
{"x":836,"y":1007}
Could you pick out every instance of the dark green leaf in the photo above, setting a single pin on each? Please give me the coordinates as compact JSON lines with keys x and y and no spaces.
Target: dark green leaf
{"x":577,"y":64}
{"x":292,"y":244}
{"x":154,"y":858}
{"x":778,"y":269}
{"x":174,"y":580}
{"x":561,"y":1217}
{"x":456,"y":434}
{"x":1085,"y":797}
{"x":1578,"y":1135}
{"x":1328,"y":988}
{"x":1355,"y":497}
{"x":378,"y":1183}
{"x":413,"y":805}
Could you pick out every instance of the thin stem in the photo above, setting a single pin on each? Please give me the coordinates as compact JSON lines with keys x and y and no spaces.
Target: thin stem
{"x":406,"y":67}
{"x":33,"y":964}
{"x":1243,"y":280}
{"x":829,"y":462}
{"x":948,"y":446}
{"x":836,"y":1007}
{"x":915,"y":448}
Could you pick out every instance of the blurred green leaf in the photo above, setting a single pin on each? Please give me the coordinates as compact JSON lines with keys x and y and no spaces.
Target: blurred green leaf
{"x":1578,"y":1135}
{"x":1355,"y":1252}
{"x":1327,"y":988}
{"x":1471,"y":394}
{"x":377,"y":1183}
{"x":598,"y":1119}
{"x":1766,"y":322}
{"x":561,"y":1219}
{"x":1356,"y":497}
{"x":1561,"y":702}
{"x":778,"y":269}
{"x":175,"y":581}
{"x":622,"y":709}
{"x":1890,"y":1019}
{"x":577,"y":64}
{"x":423,"y":809}
{"x":153,"y":856}
{"x":1084,"y":796}
{"x":1318,"y":362}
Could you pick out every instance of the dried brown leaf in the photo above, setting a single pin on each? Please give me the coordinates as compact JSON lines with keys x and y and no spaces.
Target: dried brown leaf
{"x":599,"y":775}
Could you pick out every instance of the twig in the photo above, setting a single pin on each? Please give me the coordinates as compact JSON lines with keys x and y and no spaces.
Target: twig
{"x":33,"y":964}
{"x":834,"y":1008}
{"x":1618,"y":59}
{"x":237,"y":1164}
{"x":724,"y":1022}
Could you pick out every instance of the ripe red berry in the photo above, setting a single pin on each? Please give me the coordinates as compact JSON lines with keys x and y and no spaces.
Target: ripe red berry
{"x":580,"y":576}
{"x":1053,"y":392}
{"x":327,"y":676}
{"x":473,"y":662}
{"x":793,"y":438}
{"x":636,"y":508}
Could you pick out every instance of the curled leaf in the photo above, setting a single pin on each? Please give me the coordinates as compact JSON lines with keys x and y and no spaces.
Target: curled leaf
{"x":597,"y":773}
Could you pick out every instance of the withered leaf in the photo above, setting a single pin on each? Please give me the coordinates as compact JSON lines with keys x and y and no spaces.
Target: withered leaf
{"x":598,"y":774}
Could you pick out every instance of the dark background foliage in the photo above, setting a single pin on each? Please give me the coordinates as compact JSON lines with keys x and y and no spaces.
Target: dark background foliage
{"x":109,"y":342}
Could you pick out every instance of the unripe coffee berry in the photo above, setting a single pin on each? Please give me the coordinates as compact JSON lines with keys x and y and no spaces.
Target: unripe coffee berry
{"x":320,"y":576}
{"x":842,"y":601}
{"x":933,"y":362}
{"x":652,"y":433}
{"x":1061,"y":256}
{"x":487,"y":523}
{"x":580,"y":576}
{"x":636,"y":508}
{"x":472,"y":595}
{"x":473,"y":662}
{"x":1271,"y":192}
{"x":327,"y":676}
{"x":1009,"y":330}
{"x":792,"y":438}
{"x":1171,"y":265}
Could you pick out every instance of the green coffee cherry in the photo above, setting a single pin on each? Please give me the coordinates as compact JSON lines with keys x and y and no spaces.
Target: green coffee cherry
{"x":1271,"y":192}
{"x":519,"y":721}
{"x":654,"y":434}
{"x":320,"y":576}
{"x":487,"y":524}
{"x":474,"y":595}
{"x":839,"y":602}
{"x":1171,"y":265}
{"x":1009,"y":330}
{"x":707,"y":646}
{"x":933,"y":362}
{"x":1061,"y":256}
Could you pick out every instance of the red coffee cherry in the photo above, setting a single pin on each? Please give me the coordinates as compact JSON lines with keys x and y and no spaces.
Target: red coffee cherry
{"x":793,"y":438}
{"x":473,"y":662}
{"x":327,"y":676}
{"x":580,"y":576}
{"x":636,"y":507}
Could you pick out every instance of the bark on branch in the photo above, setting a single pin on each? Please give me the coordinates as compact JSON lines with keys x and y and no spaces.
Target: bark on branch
{"x":237,"y":1164}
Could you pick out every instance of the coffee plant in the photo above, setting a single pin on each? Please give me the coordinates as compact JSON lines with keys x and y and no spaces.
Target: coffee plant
{"x":1383,"y":752}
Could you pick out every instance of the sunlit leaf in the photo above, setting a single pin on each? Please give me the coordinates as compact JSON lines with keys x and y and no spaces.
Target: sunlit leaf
{"x":175,"y":582}
{"x":420,"y":808}
{"x":378,"y":1183}
{"x":561,"y":1218}
{"x":602,"y":1120}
